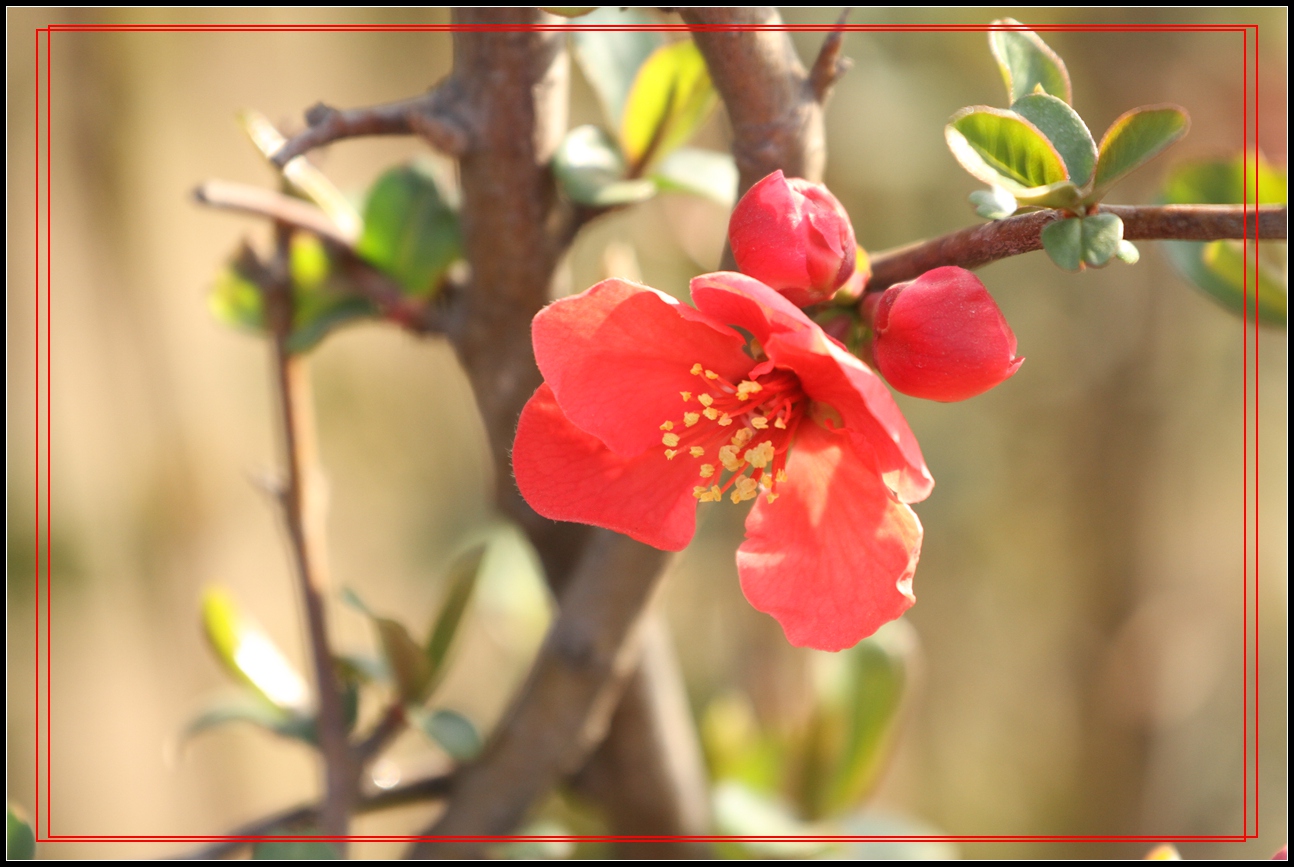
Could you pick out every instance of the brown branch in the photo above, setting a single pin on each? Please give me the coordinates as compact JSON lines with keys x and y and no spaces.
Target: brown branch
{"x":306,"y":815}
{"x":436,"y":116}
{"x":387,"y":295}
{"x":830,"y":66}
{"x":565,"y":707}
{"x":303,"y":508}
{"x":977,"y":246}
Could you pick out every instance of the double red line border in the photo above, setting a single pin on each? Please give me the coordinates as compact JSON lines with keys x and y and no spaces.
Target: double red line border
{"x":44,"y":241}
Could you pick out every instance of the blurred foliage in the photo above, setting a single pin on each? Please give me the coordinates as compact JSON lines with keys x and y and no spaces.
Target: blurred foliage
{"x":1218,"y":268}
{"x":20,"y":840}
{"x":295,"y":850}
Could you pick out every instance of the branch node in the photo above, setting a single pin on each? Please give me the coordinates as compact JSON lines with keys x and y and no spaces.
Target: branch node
{"x":829,"y":65}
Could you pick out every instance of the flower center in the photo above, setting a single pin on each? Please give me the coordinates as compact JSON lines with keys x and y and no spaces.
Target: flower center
{"x":738,"y":434}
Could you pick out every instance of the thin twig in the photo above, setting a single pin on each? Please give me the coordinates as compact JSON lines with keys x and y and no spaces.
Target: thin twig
{"x":977,"y":246}
{"x":305,"y":815}
{"x":391,"y":724}
{"x":830,"y":66}
{"x":303,"y":507}
{"x":433,"y":115}
{"x":262,"y":202}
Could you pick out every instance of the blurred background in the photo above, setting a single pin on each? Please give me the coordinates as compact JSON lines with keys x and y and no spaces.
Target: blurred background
{"x":1080,"y":592}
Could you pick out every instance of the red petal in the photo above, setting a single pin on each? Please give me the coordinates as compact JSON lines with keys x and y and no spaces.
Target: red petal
{"x":566,"y":474}
{"x":747,"y":303}
{"x":617,"y":355}
{"x":832,"y":558}
{"x":877,"y":429}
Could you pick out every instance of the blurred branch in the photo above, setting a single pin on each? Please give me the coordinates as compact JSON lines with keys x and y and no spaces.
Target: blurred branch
{"x":977,"y":246}
{"x":306,"y":815}
{"x":303,"y":508}
{"x":437,"y":116}
{"x":369,"y":282}
{"x":830,"y":66}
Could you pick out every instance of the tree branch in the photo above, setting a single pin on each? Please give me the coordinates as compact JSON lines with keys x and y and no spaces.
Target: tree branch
{"x":436,"y":116}
{"x":303,"y":508}
{"x":305,"y":815}
{"x":830,"y":66}
{"x":977,"y":246}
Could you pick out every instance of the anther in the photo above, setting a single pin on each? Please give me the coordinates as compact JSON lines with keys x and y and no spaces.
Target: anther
{"x":707,"y":470}
{"x":705,"y":399}
{"x":710,"y":413}
{"x":691,"y":418}
{"x":758,"y":422}
{"x":696,"y":451}
{"x":687,"y":395}
{"x":670,"y":453}
{"x":669,"y":425}
{"x":725,"y":420}
{"x":697,"y":368}
{"x":779,"y":423}
{"x":670,"y":439}
{"x":710,"y":374}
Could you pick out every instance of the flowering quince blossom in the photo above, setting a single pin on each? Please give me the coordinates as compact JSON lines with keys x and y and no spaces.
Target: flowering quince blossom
{"x":649,"y":406}
{"x":941,"y":336}
{"x":794,"y":236}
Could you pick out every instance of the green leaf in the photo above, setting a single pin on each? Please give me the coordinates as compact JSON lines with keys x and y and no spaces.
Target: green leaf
{"x":1001,"y":148}
{"x":1063,"y":241}
{"x":236,"y":300}
{"x":1064,"y":129}
{"x":671,"y":97}
{"x":1128,"y":252}
{"x":454,"y":732}
{"x":994,"y":203}
{"x":1216,"y":267}
{"x":406,"y":661}
{"x":741,"y":812}
{"x":410,"y":231}
{"x":1101,"y":235}
{"x":591,"y":170}
{"x":255,"y":710}
{"x":611,"y":59}
{"x":302,"y":175}
{"x":21,"y":841}
{"x":702,"y":172}
{"x":248,"y":654}
{"x":296,"y":850}
{"x":1027,"y":63}
{"x":1136,"y":137}
{"x":462,"y":579}
{"x":322,"y":298}
{"x":569,"y":11}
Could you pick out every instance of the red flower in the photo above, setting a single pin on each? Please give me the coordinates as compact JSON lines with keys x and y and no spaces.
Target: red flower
{"x":942,"y":337}
{"x":794,"y":236}
{"x":650,"y":406}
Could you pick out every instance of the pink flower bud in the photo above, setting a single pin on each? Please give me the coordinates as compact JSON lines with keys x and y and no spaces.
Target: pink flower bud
{"x":794,"y":236}
{"x":941,"y":336}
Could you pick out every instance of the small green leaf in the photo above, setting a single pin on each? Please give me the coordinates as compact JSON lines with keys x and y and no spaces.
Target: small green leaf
{"x":322,"y":298}
{"x":454,"y":732}
{"x":302,"y":175}
{"x":410,"y":231}
{"x":21,"y":840}
{"x":742,"y":812}
{"x":248,"y":654}
{"x":296,"y":850}
{"x":994,"y":203}
{"x":592,"y":172}
{"x":1266,"y":286}
{"x":255,"y":710}
{"x":1027,"y":63}
{"x":405,"y":660}
{"x":462,"y":580}
{"x":671,"y":97}
{"x":1001,"y":148}
{"x":1128,"y":252}
{"x":1222,"y":182}
{"x":1064,"y":129}
{"x":702,"y":172}
{"x":610,"y":59}
{"x":1101,"y":234}
{"x":1063,"y":241}
{"x":236,"y":300}
{"x":1133,"y":139}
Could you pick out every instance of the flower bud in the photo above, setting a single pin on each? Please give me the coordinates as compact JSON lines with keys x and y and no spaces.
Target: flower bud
{"x":941,"y":336}
{"x":794,"y":236}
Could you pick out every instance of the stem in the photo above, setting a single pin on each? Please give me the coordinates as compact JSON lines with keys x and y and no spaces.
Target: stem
{"x":303,"y":508}
{"x":977,"y":246}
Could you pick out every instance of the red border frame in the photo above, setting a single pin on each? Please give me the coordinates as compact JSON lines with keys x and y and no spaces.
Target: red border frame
{"x":49,"y":837}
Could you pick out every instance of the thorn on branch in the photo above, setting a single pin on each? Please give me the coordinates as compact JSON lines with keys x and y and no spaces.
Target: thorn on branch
{"x":829,"y":65}
{"x":433,"y":116}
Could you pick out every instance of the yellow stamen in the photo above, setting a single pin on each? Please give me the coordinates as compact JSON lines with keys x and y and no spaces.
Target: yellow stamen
{"x":779,"y":423}
{"x":691,"y":418}
{"x":770,"y":497}
{"x":781,"y":476}
{"x":760,"y":455}
{"x":758,"y":422}
{"x":669,"y":454}
{"x":725,"y":420}
{"x":710,"y":413}
{"x":698,"y":492}
{"x":697,"y":368}
{"x":728,"y":457}
{"x":670,"y":439}
{"x":742,"y":437}
{"x":696,"y":451}
{"x":747,"y":388}
{"x":745,"y":489}
{"x":707,"y":470}
{"x":710,"y":374}
{"x":669,"y":425}
{"x":705,"y":399}
{"x":687,"y":395}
